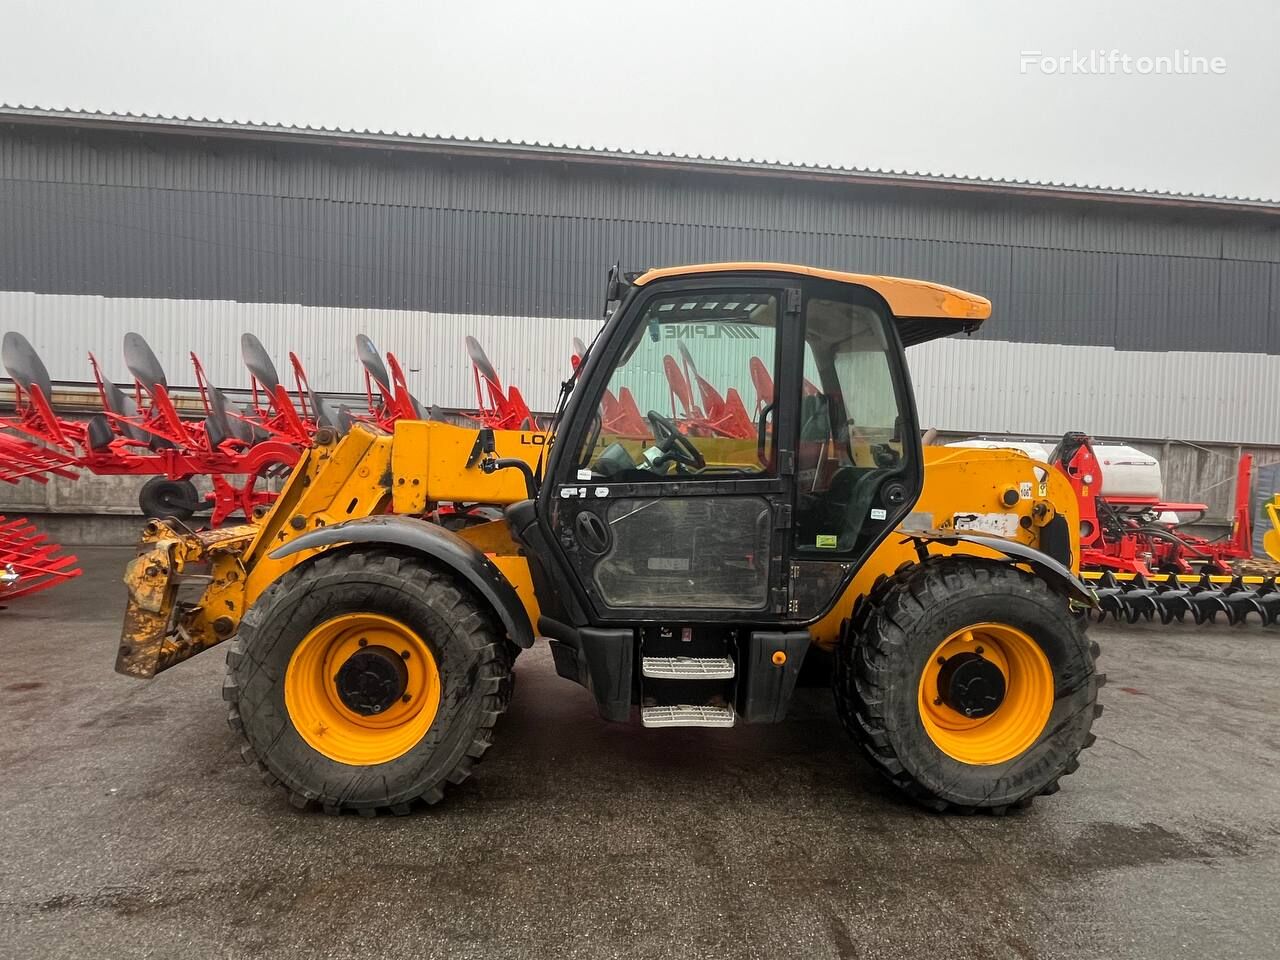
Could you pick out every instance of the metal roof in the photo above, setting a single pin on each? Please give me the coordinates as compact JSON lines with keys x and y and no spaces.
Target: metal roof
{"x":516,"y":149}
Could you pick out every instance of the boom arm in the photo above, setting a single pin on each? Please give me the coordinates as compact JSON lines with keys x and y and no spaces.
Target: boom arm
{"x":365,"y":473}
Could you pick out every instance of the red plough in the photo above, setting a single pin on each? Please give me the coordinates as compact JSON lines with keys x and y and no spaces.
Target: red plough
{"x":620,"y":415}
{"x":142,"y":433}
{"x":28,"y":562}
{"x":385,"y":387}
{"x":499,"y":407}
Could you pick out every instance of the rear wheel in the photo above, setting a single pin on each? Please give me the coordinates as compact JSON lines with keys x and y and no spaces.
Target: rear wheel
{"x":366,"y":680}
{"x":968,"y":683}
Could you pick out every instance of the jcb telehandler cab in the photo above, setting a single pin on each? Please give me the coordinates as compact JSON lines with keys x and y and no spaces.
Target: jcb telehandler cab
{"x":671,"y":567}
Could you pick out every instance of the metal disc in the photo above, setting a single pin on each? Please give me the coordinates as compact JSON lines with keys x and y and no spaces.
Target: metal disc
{"x":258,"y":361}
{"x":142,"y":362}
{"x":481,"y":360}
{"x":372,"y":362}
{"x":229,"y":425}
{"x":24,"y":364}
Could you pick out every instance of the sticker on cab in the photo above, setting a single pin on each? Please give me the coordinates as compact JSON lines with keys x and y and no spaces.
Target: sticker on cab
{"x":827,"y":541}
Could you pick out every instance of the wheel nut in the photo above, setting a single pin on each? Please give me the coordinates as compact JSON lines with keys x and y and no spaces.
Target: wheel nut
{"x":364,"y":642}
{"x":404,"y":654}
{"x":406,"y":698}
{"x":942,"y":661}
{"x":979,"y":651}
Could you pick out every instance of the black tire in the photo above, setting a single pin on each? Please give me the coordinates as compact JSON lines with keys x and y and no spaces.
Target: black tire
{"x":470,"y":651}
{"x":897,"y":628}
{"x":161,"y":497}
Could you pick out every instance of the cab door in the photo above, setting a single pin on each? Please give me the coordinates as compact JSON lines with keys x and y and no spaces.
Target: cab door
{"x":671,"y":490}
{"x":858,"y":458}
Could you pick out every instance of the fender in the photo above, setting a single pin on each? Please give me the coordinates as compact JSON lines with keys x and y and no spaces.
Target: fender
{"x":435,"y":542}
{"x":1058,"y":576}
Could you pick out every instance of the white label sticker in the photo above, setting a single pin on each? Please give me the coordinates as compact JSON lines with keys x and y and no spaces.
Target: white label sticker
{"x":1024,"y":489}
{"x":1001,"y":524}
{"x":878,"y":514}
{"x":568,"y":493}
{"x":584,"y":474}
{"x":602,"y":491}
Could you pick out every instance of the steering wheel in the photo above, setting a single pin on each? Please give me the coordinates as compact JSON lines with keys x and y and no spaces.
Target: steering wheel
{"x":674,"y":444}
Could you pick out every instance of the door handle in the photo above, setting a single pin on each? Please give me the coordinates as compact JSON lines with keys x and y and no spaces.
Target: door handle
{"x":761,"y":431}
{"x":593,"y":533}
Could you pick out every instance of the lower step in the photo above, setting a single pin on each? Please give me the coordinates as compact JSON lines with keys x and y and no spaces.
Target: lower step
{"x":687,"y":668}
{"x":687,"y":715}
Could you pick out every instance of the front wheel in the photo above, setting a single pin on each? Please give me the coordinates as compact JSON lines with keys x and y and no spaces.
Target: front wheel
{"x":366,"y":680}
{"x":968,"y":683}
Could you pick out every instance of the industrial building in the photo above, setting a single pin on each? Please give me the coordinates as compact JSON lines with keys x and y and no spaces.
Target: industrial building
{"x":1126,"y":313}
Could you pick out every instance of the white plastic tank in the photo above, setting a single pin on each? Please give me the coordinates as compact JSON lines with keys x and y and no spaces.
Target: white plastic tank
{"x":1128,"y":472}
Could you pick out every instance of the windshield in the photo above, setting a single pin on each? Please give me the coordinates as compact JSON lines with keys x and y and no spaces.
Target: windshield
{"x":687,"y":392}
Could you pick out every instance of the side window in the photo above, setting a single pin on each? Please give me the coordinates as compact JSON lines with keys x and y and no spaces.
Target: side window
{"x":850,"y":431}
{"x":690,"y":392}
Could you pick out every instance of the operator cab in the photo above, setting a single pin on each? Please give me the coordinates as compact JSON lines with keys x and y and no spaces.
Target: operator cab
{"x":739,"y":438}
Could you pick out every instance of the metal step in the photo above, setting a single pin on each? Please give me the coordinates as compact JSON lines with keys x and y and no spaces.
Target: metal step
{"x":687,"y":668}
{"x":687,"y":715}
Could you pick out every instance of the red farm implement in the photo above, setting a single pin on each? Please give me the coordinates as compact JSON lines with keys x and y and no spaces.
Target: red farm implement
{"x":386,"y":389}
{"x":1136,"y":549}
{"x":712,"y":414}
{"x":1137,"y":531}
{"x":499,"y":407}
{"x":28,"y":561}
{"x":142,"y":433}
{"x":1141,"y":559}
{"x":620,"y":415}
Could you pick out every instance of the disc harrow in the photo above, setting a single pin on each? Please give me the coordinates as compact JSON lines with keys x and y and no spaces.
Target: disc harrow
{"x":1180,"y":598}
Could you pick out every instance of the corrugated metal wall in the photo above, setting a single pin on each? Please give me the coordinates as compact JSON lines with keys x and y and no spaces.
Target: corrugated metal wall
{"x":178,"y":243}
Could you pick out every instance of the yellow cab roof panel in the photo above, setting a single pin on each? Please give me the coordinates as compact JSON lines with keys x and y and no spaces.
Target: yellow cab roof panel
{"x":915,"y":299}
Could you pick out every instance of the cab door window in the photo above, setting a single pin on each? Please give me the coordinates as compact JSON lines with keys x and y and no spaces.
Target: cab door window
{"x":850,"y":436}
{"x":691,"y":396}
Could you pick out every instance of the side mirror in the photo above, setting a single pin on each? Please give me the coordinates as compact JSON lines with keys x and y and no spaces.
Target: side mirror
{"x":615,"y":287}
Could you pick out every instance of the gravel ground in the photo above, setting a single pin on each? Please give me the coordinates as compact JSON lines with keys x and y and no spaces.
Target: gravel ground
{"x":130,"y":828}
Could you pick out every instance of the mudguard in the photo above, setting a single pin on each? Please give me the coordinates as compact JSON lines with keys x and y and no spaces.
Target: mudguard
{"x":1058,"y":576}
{"x":434,"y":541}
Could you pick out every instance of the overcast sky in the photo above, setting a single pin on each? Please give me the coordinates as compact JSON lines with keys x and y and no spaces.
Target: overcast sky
{"x":940,"y":86}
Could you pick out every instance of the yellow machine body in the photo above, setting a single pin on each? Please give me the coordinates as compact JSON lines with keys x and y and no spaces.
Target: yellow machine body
{"x":368,"y":472}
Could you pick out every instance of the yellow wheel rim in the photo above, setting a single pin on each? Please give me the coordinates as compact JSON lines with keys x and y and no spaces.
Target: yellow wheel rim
{"x":1013,"y":726}
{"x":330,"y":725}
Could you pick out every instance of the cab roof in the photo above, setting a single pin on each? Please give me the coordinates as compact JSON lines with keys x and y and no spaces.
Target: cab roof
{"x":908,"y":300}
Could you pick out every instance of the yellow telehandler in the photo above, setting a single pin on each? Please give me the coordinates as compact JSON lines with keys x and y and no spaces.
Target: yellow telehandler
{"x":680,"y":566}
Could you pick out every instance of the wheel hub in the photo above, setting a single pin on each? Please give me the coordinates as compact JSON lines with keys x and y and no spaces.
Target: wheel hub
{"x":971,"y":685}
{"x":371,"y":680}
